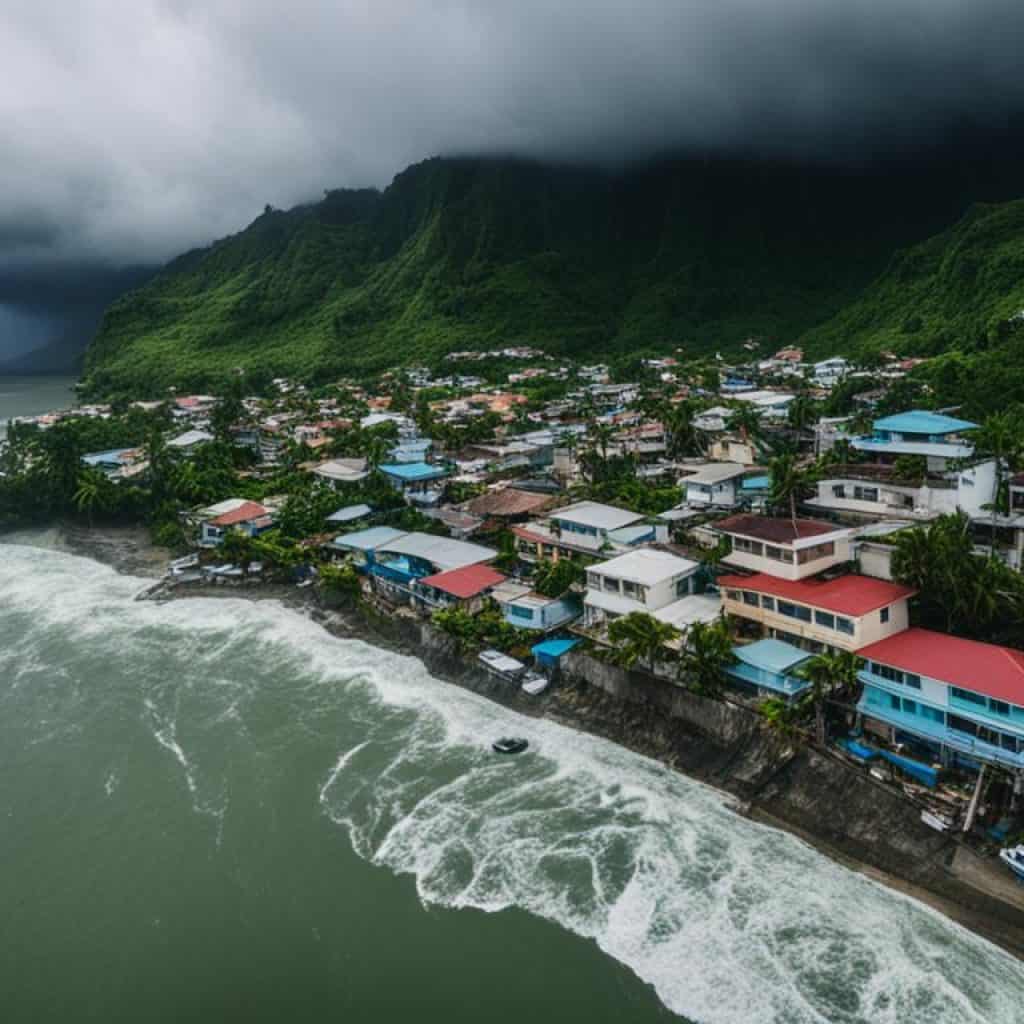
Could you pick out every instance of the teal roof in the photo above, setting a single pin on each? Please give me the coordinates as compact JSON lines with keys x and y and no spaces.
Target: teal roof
{"x":413,"y":471}
{"x":368,"y":540}
{"x":757,"y":483}
{"x":921,"y":421}
{"x":554,"y":648}
{"x":771,"y":655}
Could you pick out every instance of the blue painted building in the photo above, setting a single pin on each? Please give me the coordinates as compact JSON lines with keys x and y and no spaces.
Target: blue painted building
{"x":948,"y":700}
{"x":767,"y":668}
{"x":419,"y":482}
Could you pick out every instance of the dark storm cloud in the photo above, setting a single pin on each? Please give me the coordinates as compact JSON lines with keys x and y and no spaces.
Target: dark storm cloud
{"x":134,"y":130}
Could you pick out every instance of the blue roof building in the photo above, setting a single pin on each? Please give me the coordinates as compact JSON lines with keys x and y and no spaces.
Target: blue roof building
{"x":418,"y":481}
{"x":919,"y":432}
{"x":767,"y":668}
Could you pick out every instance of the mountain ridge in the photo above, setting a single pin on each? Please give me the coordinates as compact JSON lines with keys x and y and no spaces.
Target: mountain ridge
{"x":472,"y":253}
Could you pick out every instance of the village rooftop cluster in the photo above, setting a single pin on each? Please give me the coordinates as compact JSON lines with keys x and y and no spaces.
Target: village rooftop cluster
{"x":748,"y":531}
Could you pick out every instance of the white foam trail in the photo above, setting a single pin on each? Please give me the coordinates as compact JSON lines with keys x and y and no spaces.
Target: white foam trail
{"x":730,"y":921}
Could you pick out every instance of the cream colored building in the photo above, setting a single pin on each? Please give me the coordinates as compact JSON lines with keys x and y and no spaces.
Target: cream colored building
{"x":770,"y":545}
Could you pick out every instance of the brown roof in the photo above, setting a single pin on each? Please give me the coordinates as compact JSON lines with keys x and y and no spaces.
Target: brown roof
{"x":508,"y":502}
{"x":775,"y":531}
{"x":248,"y":512}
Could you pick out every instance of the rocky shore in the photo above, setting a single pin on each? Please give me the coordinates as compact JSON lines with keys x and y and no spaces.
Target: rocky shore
{"x":844,"y":813}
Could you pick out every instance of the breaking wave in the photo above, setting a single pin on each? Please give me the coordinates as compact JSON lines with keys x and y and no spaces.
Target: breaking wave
{"x":728,"y":920}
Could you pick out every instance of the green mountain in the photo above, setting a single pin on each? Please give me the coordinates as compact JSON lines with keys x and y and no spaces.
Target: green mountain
{"x":477,"y":253}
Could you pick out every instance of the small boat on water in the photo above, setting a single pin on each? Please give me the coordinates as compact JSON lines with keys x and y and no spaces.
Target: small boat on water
{"x":1013,"y":858}
{"x":509,"y":745}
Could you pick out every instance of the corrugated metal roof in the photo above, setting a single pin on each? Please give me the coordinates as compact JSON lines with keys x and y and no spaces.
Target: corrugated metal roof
{"x":922,"y":421}
{"x":848,"y":595}
{"x":466,"y":582}
{"x":646,"y":565}
{"x":368,"y":540}
{"x":772,"y":655}
{"x":444,"y":552}
{"x":593,"y":513}
{"x":413,"y":470}
{"x":985,"y":668}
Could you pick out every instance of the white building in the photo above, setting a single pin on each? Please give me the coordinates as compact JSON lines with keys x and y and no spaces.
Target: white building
{"x":768,"y":545}
{"x":715,"y":485}
{"x":645,"y":580}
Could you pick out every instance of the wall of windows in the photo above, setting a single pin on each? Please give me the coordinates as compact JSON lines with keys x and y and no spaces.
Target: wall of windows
{"x":894,"y":675}
{"x":812,"y":554}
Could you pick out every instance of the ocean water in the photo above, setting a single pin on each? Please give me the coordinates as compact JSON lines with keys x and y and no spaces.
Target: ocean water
{"x":212,"y":810}
{"x":30,"y":396}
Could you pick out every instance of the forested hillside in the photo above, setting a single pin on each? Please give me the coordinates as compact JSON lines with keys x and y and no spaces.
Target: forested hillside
{"x":475,"y":253}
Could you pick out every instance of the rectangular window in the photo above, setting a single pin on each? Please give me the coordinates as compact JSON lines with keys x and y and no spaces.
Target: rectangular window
{"x":593,"y":580}
{"x":683,"y":586}
{"x":812,"y":554}
{"x":845,"y":626}
{"x":629,"y":588}
{"x":750,"y":547}
{"x":778,"y":554}
{"x":999,"y":707}
{"x":733,"y":595}
{"x":894,"y":702}
{"x":934,"y":714}
{"x":910,"y":706}
{"x":611,"y":585}
{"x":967,"y":695}
{"x":963,"y":725}
{"x":825,"y":619}
{"x":749,"y":598}
{"x":884,"y":615}
{"x":768,"y":602}
{"x":520,"y":613}
{"x":912,"y":680}
{"x":865,"y":493}
{"x":794,"y":611}
{"x":839,"y":491}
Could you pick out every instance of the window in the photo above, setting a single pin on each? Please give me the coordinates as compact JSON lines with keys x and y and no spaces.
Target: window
{"x":865,"y":493}
{"x":749,"y":598}
{"x":794,"y":611}
{"x":733,"y":595}
{"x":750,"y":547}
{"x":520,"y":613}
{"x":683,"y":586}
{"x":844,"y":626}
{"x":839,"y":491}
{"x":824,"y":619}
{"x":894,"y":675}
{"x":611,"y":585}
{"x":967,"y":695}
{"x":963,"y":725}
{"x":593,"y":580}
{"x":934,"y":714}
{"x":813,"y":553}
{"x":884,"y":615}
{"x":778,"y":554}
{"x":768,"y":602}
{"x":999,"y":707}
{"x":629,"y":588}
{"x":910,"y":706}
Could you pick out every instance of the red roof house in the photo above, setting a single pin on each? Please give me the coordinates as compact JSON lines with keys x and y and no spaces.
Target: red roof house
{"x":846,"y":595}
{"x":465,"y":583}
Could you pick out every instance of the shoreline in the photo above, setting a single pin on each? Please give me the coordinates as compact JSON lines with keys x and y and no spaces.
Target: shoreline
{"x":129,"y":551}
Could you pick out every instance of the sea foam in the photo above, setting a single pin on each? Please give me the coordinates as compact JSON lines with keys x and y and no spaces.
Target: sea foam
{"x":729,"y":920}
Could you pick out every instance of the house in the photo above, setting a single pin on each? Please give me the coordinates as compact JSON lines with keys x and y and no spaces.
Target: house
{"x":715,"y":485}
{"x":712,"y":421}
{"x":948,"y":700}
{"x":772,"y":404}
{"x":644,"y":580}
{"x":247,"y":517}
{"x":339,"y":472}
{"x":766,"y":668}
{"x":118,"y":463}
{"x":508,"y":505}
{"x":829,"y":372}
{"x":585,"y":528}
{"x":188,"y":442}
{"x":398,"y":558}
{"x":879,"y":491}
{"x":845,"y":613}
{"x":524,"y":608}
{"x":769,"y":545}
{"x":419,"y":482}
{"x":937,"y":437}
{"x":349,"y":514}
{"x":733,"y":448}
{"x":467,"y":588}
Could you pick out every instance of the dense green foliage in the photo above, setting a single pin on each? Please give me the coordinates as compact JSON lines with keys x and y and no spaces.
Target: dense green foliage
{"x":482,"y":253}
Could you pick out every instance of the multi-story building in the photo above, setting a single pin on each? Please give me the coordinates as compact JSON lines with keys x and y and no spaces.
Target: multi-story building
{"x":716,"y":485}
{"x":948,"y":700}
{"x":771,"y":545}
{"x":844,"y":613}
{"x":933,"y":435}
{"x":646,"y":580}
{"x":585,"y":529}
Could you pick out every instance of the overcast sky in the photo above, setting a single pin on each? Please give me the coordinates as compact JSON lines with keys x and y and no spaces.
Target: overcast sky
{"x":133,"y":129}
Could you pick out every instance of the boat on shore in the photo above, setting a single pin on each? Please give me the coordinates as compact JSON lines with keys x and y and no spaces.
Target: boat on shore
{"x":1013,"y":858}
{"x":509,"y":745}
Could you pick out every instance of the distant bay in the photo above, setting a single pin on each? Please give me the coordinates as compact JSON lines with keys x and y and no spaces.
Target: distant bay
{"x":30,"y":396}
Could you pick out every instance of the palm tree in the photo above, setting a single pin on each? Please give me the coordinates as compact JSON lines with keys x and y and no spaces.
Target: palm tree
{"x":1001,"y":437}
{"x":600,"y":435}
{"x":639,"y":637}
{"x":90,"y":494}
{"x":747,"y":421}
{"x":705,"y":655}
{"x":828,"y":673}
{"x":802,"y":412}
{"x":789,"y":483}
{"x":683,"y":438}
